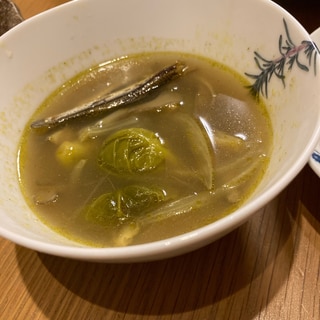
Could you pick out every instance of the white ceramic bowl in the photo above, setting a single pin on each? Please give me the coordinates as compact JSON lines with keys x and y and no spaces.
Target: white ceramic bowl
{"x":314,"y":160}
{"x":41,"y":53}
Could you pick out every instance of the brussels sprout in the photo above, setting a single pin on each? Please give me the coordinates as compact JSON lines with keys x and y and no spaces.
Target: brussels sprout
{"x":115,"y":208}
{"x":131,"y":151}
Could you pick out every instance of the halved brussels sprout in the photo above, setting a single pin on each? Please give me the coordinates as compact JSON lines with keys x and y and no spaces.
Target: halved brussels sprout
{"x":131,"y":151}
{"x":115,"y":208}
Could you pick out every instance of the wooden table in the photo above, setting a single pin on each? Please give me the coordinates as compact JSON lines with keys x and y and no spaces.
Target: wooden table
{"x":269,"y":268}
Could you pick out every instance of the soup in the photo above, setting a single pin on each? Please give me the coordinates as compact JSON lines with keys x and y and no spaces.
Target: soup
{"x":179,"y":157}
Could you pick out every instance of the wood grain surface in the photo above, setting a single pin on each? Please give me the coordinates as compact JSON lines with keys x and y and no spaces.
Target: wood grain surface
{"x":268,"y":268}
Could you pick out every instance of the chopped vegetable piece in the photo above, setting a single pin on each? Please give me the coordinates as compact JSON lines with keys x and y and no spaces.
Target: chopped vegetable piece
{"x":113,"y":209}
{"x":70,"y":153}
{"x":131,"y":151}
{"x":126,"y":234}
{"x":199,"y":152}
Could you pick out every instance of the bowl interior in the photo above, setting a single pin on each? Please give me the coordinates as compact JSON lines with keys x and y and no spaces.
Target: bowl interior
{"x":40,"y":54}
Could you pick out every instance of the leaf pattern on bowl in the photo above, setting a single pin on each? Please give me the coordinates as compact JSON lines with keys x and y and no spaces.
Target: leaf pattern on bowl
{"x":290,"y":56}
